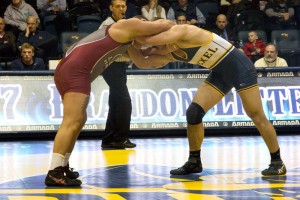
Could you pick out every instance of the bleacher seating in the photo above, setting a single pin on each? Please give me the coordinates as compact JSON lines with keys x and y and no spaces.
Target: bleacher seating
{"x":49,"y":24}
{"x":69,"y":38}
{"x":88,"y":23}
{"x":288,"y":44}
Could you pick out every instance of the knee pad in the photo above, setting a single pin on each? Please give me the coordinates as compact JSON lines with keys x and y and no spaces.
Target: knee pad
{"x":194,"y":114}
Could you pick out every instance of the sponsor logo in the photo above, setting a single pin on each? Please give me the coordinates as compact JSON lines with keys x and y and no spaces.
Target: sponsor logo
{"x":90,"y":126}
{"x":5,"y":128}
{"x":243,"y":124}
{"x":259,"y":74}
{"x":38,"y":78}
{"x":4,"y":78}
{"x":58,"y":180}
{"x":165,"y":125}
{"x":161,"y":76}
{"x":286,"y":123}
{"x":211,"y":124}
{"x":40,"y":128}
{"x":197,"y":76}
{"x":279,"y":74}
{"x":134,"y":126}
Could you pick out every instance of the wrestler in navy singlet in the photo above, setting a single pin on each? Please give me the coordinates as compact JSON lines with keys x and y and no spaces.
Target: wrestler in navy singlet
{"x":229,"y":66}
{"x":85,"y":61}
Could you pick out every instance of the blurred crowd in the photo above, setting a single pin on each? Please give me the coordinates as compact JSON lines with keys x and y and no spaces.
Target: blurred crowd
{"x":26,"y":43}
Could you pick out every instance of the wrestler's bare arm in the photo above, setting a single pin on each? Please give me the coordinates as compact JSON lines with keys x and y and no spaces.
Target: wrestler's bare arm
{"x":150,"y":62}
{"x":126,"y":30}
{"x":171,"y":36}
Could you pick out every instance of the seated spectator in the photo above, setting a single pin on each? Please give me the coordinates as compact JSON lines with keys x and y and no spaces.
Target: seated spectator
{"x":221,"y":28}
{"x":153,"y":10}
{"x":27,"y":60}
{"x":255,"y":48}
{"x":51,"y":7}
{"x":181,"y":18}
{"x":7,"y":41}
{"x":16,"y":14}
{"x":58,"y":8}
{"x":193,"y":14}
{"x":280,"y":16}
{"x":270,"y":58}
{"x":234,"y":11}
{"x":45,"y":44}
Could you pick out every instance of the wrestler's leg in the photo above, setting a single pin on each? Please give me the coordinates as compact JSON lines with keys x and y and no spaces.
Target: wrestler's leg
{"x":74,"y":118}
{"x":252,"y":104}
{"x":206,"y":97}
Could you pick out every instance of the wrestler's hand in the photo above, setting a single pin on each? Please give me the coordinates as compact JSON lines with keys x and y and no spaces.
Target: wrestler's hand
{"x":136,"y":44}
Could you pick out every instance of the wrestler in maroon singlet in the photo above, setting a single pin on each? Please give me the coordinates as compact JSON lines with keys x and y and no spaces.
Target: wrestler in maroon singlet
{"x":85,"y":60}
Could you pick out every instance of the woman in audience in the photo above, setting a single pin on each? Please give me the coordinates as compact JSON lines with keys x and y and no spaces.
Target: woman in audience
{"x":153,"y":10}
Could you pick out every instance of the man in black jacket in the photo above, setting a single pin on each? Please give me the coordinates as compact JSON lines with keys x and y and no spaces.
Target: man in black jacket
{"x":119,"y":114}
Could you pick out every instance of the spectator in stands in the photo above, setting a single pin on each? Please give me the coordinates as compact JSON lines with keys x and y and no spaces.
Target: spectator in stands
{"x":80,"y":1}
{"x":58,"y":8}
{"x":181,"y":18}
{"x":153,"y":10}
{"x":45,"y":44}
{"x":193,"y":14}
{"x":221,"y":28}
{"x":51,"y":7}
{"x":280,"y":15}
{"x":16,"y":14}
{"x":234,"y":11}
{"x":255,"y":48}
{"x":270,"y":58}
{"x":7,"y":41}
{"x":27,"y":60}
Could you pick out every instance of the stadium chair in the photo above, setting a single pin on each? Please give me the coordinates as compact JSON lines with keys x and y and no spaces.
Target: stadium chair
{"x":69,"y":38}
{"x":49,"y":25}
{"x":288,"y":44}
{"x":5,"y":62}
{"x":243,"y":35}
{"x":88,"y":23}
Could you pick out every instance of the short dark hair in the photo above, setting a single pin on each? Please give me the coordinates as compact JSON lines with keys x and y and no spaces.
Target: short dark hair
{"x":112,"y":1}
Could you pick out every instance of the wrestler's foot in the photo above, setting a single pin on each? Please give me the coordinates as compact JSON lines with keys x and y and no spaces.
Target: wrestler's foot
{"x":275,"y":168}
{"x":69,"y":172}
{"x":56,"y":177}
{"x":191,"y":166}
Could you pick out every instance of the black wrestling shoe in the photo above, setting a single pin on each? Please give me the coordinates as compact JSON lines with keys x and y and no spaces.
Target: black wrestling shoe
{"x":56,"y":177}
{"x":128,"y":144}
{"x":118,"y":145}
{"x":275,"y":168}
{"x":191,"y":166}
{"x":69,"y":172}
